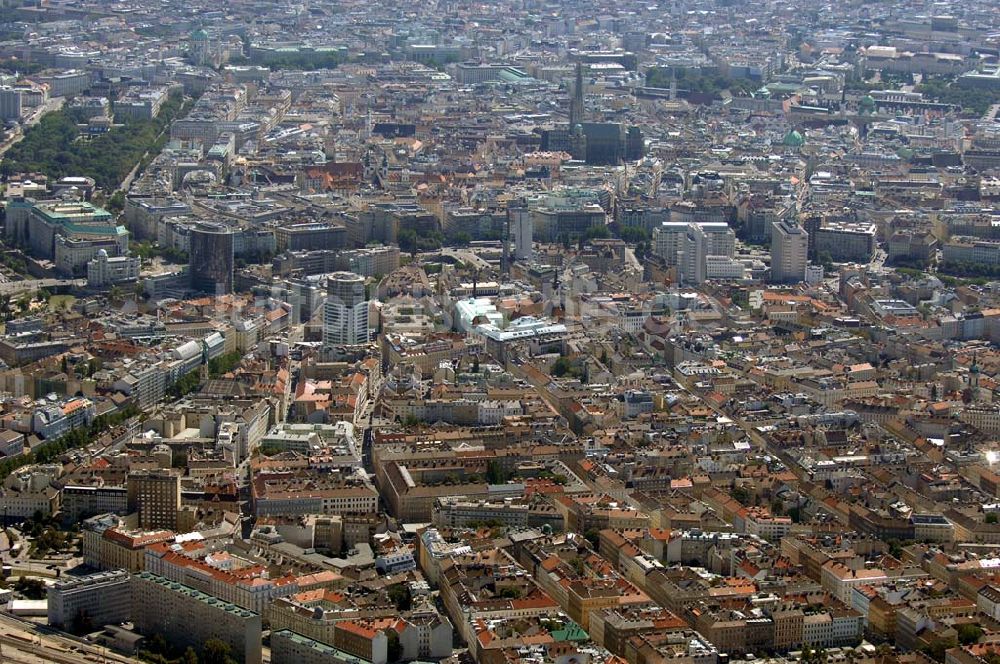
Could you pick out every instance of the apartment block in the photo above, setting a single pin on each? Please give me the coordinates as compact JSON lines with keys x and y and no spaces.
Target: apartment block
{"x":188,"y":617}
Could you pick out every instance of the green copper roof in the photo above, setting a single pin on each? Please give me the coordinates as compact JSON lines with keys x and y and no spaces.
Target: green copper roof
{"x":570,"y":632}
{"x":794,"y":139}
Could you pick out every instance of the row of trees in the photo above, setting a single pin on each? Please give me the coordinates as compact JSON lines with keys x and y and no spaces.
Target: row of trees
{"x":51,"y":450}
{"x":911,"y":263}
{"x":966,"y":269}
{"x":10,"y":308}
{"x":410,"y":242}
{"x":82,"y":369}
{"x":565,"y":367}
{"x":12,"y":64}
{"x":224,"y":363}
{"x":213,"y":651}
{"x":971,"y":99}
{"x":633,"y":234}
{"x":710,"y":84}
{"x":56,"y":147}
{"x":638,"y":236}
{"x":968,"y":634}
{"x":592,"y":233}
{"x":184,"y":385}
{"x":298,"y":61}
{"x":146,"y":250}
{"x":14,"y":262}
{"x":31,"y":588}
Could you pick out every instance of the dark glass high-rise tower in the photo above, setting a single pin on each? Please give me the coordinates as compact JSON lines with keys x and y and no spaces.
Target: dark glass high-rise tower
{"x":211,"y":259}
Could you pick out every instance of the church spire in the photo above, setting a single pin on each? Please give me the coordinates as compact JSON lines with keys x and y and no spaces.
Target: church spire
{"x":576,"y":103}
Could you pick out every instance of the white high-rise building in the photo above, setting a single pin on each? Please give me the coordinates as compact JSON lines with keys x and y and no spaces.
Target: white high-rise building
{"x":789,"y":252}
{"x":345,"y":313}
{"x":522,"y":230}
{"x":687,"y":247}
{"x":668,"y":239}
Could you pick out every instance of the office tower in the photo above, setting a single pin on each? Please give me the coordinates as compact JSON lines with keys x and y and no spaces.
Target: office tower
{"x":576,"y":103}
{"x":156,"y":496}
{"x":688,"y":245}
{"x":697,"y":244}
{"x":568,"y":214}
{"x":811,"y":224}
{"x":90,"y":602}
{"x":789,"y":252}
{"x":691,"y":258}
{"x":211,"y":259}
{"x":667,"y":240}
{"x":10,"y":103}
{"x":345,"y":313}
{"x":310,"y":236}
{"x":305,"y":294}
{"x":635,"y":144}
{"x":845,"y":241}
{"x":521,"y":226}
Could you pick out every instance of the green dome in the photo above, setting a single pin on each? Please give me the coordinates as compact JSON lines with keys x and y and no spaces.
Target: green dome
{"x":794,"y":139}
{"x":199,"y":35}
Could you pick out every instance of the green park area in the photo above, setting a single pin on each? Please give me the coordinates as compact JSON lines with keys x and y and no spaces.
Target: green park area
{"x":57,"y":146}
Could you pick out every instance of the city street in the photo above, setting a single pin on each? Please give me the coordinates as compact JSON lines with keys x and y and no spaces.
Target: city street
{"x":31,"y":285}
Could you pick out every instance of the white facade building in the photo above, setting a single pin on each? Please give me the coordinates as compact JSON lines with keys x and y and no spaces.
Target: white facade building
{"x":789,"y":252}
{"x":345,"y":313}
{"x":103,"y":270}
{"x":688,"y":245}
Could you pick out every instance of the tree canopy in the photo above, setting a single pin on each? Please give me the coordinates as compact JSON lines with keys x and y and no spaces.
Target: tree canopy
{"x":659,"y":77}
{"x":57,"y":148}
{"x":971,"y":99}
{"x":78,"y":437}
